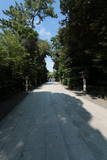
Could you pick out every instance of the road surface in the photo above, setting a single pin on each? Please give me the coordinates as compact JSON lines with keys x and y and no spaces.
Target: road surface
{"x":52,"y":123}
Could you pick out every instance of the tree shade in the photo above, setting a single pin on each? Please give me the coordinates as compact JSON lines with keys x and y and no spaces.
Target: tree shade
{"x":22,"y":53}
{"x":81,"y":44}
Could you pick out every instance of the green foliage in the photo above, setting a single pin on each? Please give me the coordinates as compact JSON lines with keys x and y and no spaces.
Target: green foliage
{"x":81,"y":44}
{"x":40,"y":9}
{"x":51,"y":75}
{"x":12,"y":53}
{"x":22,"y":54}
{"x":44,"y":47}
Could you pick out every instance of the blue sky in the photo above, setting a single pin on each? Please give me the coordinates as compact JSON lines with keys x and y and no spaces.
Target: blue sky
{"x":47,"y":29}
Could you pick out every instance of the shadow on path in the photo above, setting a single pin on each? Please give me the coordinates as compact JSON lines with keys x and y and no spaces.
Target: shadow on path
{"x":7,"y":105}
{"x":50,"y":126}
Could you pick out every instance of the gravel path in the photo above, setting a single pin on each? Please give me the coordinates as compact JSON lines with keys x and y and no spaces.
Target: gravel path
{"x":52,"y":123}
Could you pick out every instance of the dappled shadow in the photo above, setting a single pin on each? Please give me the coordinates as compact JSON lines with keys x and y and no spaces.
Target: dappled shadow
{"x":53,"y":125}
{"x":81,"y":93}
{"x":92,"y":93}
{"x":77,"y":114}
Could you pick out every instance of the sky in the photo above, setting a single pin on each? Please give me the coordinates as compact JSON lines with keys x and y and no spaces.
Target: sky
{"x":47,"y":29}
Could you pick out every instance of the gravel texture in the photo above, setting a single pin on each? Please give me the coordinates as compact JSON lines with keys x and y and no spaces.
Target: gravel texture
{"x":53,"y":123}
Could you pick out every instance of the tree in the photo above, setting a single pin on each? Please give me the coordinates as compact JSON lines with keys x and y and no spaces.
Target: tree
{"x":22,"y":54}
{"x":83,"y":40}
{"x":39,"y":9}
{"x":12,"y":61}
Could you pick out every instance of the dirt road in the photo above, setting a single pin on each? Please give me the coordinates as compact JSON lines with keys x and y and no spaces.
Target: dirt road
{"x":53,"y":123}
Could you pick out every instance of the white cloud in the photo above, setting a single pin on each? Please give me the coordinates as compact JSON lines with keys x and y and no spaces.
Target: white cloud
{"x":44,"y":33}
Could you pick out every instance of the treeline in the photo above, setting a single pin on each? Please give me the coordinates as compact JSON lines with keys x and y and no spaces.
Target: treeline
{"x":80,"y":48}
{"x":22,"y":53}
